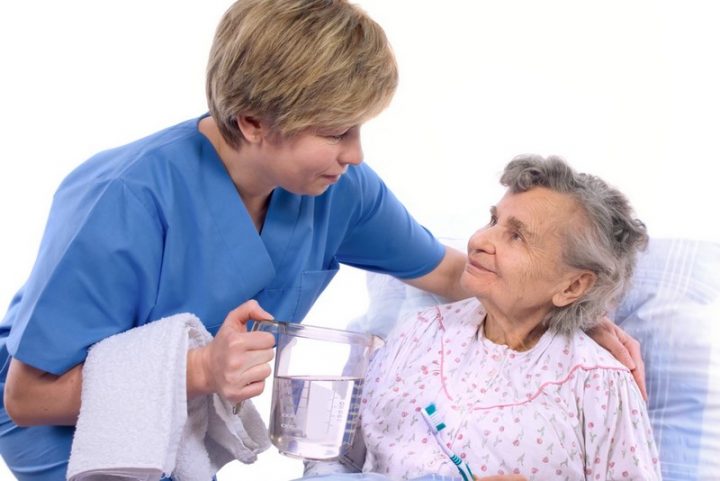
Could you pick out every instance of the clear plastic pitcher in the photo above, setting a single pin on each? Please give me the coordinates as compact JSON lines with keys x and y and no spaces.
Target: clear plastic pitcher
{"x":317,"y":384}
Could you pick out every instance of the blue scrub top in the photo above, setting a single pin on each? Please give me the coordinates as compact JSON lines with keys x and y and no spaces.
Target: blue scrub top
{"x":157,"y":227}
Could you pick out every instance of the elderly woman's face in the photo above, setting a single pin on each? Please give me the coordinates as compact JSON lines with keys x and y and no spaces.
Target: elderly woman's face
{"x":515,"y":262}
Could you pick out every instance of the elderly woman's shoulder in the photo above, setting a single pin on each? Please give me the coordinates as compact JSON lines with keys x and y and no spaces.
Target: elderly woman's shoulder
{"x":582,"y":352}
{"x":596,"y":376}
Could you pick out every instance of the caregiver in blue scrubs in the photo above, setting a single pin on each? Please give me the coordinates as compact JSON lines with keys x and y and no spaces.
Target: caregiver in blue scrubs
{"x":247,"y":210}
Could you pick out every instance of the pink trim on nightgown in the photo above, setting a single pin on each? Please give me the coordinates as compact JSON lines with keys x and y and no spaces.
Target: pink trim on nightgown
{"x":569,"y":376}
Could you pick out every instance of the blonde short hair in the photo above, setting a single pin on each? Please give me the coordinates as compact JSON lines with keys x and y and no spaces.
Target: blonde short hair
{"x":298,"y":64}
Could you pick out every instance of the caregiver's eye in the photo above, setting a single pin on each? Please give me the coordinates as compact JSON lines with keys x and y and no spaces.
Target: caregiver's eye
{"x":335,"y":138}
{"x":493,"y":220}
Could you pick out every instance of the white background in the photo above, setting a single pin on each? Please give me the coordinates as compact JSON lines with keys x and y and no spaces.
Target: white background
{"x":624,"y":89}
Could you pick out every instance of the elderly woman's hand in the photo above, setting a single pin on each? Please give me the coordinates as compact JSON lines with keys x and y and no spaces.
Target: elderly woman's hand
{"x":235,"y":363}
{"x":625,"y":348}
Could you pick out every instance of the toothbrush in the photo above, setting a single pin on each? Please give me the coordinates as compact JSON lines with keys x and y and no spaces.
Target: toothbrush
{"x":436,"y":424}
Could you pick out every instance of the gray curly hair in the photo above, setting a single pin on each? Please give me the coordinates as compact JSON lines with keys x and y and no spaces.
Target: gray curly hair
{"x":607,"y":244}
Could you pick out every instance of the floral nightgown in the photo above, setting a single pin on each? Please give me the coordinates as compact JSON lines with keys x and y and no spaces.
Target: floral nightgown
{"x":563,"y":410}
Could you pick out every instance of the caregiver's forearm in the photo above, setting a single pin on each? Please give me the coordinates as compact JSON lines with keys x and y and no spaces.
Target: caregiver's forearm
{"x":34,"y":397}
{"x":444,"y":280}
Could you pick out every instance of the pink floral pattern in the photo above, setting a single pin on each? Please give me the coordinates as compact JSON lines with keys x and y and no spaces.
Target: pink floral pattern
{"x":563,"y":410}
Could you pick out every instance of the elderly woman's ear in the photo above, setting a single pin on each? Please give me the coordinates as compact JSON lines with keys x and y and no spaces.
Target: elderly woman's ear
{"x":575,"y":287}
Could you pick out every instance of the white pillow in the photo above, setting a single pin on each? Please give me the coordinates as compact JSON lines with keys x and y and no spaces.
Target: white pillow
{"x":673,"y":309}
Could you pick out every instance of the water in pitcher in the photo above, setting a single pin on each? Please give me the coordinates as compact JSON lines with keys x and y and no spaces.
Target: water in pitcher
{"x":314,"y":417}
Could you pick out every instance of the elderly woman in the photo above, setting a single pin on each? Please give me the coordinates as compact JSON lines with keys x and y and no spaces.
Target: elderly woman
{"x":519,"y":386}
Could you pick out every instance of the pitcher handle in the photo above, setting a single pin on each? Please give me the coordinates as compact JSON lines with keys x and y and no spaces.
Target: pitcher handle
{"x":265,"y":325}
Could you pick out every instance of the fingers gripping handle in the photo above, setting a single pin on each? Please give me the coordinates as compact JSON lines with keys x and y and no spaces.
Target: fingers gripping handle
{"x":263,"y":325}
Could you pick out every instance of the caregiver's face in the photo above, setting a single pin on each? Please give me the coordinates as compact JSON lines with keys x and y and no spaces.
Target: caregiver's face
{"x":515,"y":261}
{"x":309,"y":162}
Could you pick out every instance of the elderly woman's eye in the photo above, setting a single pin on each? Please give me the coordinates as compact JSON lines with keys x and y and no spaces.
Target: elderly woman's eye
{"x":516,"y":236}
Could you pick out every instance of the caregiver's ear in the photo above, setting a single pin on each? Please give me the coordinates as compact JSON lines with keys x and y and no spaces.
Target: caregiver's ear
{"x":576,"y":287}
{"x":252,"y":128}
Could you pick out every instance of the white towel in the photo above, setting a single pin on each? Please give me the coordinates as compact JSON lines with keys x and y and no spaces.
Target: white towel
{"x":135,"y":421}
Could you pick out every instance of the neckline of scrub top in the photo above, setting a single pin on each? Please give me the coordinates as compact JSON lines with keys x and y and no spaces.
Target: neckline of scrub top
{"x":283,"y":214}
{"x":234,"y":221}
